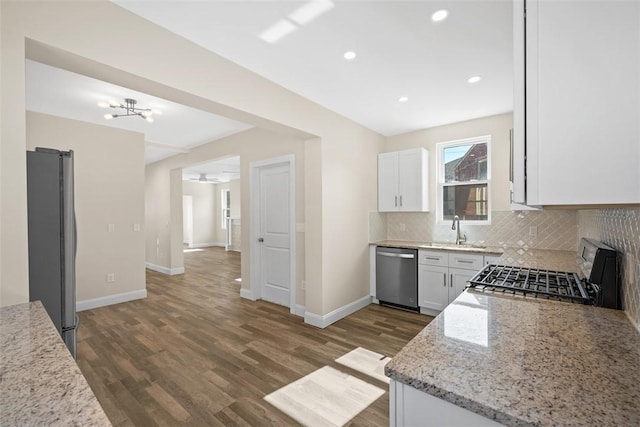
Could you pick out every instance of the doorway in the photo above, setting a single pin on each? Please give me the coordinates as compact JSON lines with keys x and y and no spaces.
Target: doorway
{"x":273,"y":248}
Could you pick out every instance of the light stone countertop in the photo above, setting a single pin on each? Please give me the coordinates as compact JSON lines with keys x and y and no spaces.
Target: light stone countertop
{"x":518,"y":256}
{"x":439,"y":246}
{"x":40,"y":383}
{"x":528,"y":362}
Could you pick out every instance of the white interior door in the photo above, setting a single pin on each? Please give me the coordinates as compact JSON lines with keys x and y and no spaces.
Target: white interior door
{"x":187,"y":220}
{"x":274,"y":234}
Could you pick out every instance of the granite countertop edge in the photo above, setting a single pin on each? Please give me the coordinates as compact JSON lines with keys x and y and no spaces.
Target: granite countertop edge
{"x":456,"y":399}
{"x":439,"y":246}
{"x":409,"y":367}
{"x":40,"y":382}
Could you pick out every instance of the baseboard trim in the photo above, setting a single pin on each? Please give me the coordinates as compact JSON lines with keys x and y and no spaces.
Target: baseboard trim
{"x":164,"y":270}
{"x":110,"y":300}
{"x":247,"y":294}
{"x":299,"y":310}
{"x":207,"y":245}
{"x":337,"y":314}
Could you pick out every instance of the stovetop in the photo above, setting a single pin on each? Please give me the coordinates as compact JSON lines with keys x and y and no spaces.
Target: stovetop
{"x":534,"y":282}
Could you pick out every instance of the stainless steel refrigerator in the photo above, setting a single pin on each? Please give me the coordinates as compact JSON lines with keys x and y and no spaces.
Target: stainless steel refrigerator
{"x":52,"y":238}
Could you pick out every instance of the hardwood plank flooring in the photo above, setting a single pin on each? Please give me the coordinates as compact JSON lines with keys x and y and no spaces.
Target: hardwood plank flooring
{"x":195,"y":353}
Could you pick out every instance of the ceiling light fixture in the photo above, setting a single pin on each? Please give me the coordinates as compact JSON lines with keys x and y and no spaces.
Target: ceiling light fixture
{"x":130,"y":110}
{"x":474,"y":79}
{"x":350,"y":55}
{"x":403,"y":99}
{"x":439,"y":15}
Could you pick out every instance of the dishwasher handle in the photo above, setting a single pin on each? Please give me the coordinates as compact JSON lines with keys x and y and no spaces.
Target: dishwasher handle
{"x":395,"y":255}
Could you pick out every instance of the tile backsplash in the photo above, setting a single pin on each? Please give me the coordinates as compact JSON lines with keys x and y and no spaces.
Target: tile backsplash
{"x":551,"y":229}
{"x":620,"y":229}
{"x":547,"y":229}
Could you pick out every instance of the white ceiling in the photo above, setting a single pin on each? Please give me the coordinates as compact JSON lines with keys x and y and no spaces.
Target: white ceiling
{"x":62,"y":93}
{"x":400,"y":52}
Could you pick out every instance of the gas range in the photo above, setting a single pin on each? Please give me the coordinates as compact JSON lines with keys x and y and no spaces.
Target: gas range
{"x":599,"y":287}
{"x":534,"y":282}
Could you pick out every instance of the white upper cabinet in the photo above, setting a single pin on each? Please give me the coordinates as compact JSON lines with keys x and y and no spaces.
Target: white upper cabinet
{"x":580,"y":129}
{"x":402,"y":181}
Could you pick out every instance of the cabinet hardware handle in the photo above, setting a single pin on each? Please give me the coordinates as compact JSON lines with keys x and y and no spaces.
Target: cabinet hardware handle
{"x":464,"y":261}
{"x":432,"y":258}
{"x":396,"y":202}
{"x":400,"y":201}
{"x":451,"y":282}
{"x":445,"y":279}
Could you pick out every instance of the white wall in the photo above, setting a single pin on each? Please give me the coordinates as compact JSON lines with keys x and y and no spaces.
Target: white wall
{"x":339,"y":174}
{"x":109,"y":189}
{"x":205,"y":212}
{"x":497,"y":126}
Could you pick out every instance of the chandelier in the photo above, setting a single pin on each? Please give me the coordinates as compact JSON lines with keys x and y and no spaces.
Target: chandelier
{"x":129,"y":108}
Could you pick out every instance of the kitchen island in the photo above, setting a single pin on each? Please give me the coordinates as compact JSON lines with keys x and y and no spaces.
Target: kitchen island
{"x":40,"y":383}
{"x":518,"y":362}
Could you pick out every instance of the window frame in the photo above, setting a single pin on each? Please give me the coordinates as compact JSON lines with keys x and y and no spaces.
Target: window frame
{"x":225,"y":195}
{"x":441,"y":184}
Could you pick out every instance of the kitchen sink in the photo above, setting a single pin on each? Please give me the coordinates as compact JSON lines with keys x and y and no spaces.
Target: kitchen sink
{"x":448,"y":245}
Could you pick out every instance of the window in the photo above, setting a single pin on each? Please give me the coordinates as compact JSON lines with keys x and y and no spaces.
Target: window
{"x":463,"y":180}
{"x":225,"y":207}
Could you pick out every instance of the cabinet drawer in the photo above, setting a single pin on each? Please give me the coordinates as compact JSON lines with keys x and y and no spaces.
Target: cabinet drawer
{"x":434,"y":258}
{"x":466,"y":261}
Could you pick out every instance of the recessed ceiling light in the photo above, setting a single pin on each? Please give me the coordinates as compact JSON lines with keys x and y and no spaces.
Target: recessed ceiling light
{"x":474,"y":79}
{"x":350,"y":55}
{"x":439,"y":15}
{"x":403,"y":99}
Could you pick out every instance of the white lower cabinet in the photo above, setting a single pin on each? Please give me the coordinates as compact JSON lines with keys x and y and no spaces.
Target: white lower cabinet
{"x":411,"y":407}
{"x":433,"y":287}
{"x":442,"y":276}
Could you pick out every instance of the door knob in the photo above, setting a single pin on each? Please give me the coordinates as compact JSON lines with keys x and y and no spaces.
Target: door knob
{"x":260,"y":239}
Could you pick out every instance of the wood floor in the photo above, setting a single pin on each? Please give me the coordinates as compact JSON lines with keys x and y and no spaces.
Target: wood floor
{"x":195,"y":353}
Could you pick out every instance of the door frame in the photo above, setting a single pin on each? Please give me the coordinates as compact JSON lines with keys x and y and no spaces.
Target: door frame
{"x":254,"y":209}
{"x":187,"y":204}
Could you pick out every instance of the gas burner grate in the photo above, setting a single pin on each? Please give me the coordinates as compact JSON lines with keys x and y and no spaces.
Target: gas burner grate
{"x":559,"y":285}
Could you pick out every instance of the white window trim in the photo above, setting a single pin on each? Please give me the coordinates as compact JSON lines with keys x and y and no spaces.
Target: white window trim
{"x":223,"y":201}
{"x":440,"y":176}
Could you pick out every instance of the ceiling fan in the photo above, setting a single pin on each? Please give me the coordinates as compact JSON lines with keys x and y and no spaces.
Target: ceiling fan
{"x":204,"y":180}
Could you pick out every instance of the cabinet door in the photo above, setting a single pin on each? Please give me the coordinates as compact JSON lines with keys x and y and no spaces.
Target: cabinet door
{"x":582,"y":102}
{"x":412,"y":180}
{"x":388,"y":182}
{"x":433,"y":289}
{"x":458,"y":279}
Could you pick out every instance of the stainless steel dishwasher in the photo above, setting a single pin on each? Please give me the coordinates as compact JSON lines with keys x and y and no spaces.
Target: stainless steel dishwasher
{"x":397,"y":277}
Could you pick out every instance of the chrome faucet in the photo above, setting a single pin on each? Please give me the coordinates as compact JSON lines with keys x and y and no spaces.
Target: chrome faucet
{"x":459,"y":240}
